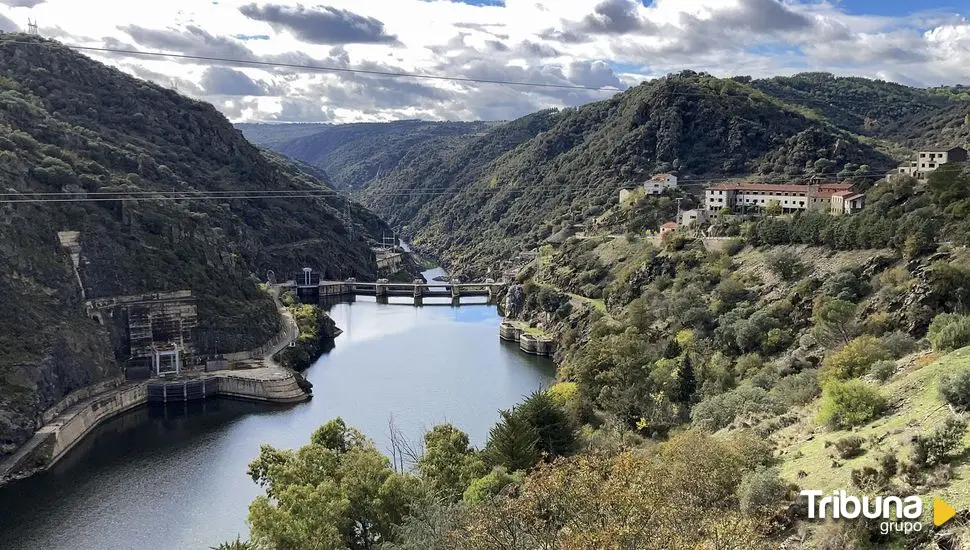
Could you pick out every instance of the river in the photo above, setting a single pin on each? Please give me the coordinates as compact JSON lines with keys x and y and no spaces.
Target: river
{"x":174,"y":477}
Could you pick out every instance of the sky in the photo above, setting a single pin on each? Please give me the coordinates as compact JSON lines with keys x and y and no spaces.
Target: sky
{"x":611,"y":44}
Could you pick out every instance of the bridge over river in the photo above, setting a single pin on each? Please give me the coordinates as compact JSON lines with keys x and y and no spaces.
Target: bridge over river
{"x":310,"y":286}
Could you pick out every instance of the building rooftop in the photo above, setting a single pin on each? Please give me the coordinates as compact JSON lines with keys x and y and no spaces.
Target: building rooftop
{"x":820,"y":188}
{"x":938,"y":149}
{"x":660,"y":177}
{"x":670,"y":225}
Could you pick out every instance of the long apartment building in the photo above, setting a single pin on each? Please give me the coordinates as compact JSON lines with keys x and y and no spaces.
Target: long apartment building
{"x":751,"y":198}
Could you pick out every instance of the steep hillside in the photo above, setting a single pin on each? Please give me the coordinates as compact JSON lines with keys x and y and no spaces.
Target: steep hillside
{"x":476,"y":205}
{"x":903,"y":118}
{"x":354,"y":154}
{"x":90,"y":148}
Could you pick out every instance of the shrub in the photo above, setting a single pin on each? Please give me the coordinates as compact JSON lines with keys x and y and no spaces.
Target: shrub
{"x":867,"y":479}
{"x":949,"y":331}
{"x":721,"y":410}
{"x":854,"y":359}
{"x":888,"y":465}
{"x":850,"y":403}
{"x":733,"y":246}
{"x":784,"y":264}
{"x":849,"y":447}
{"x":748,"y":364}
{"x":797,"y":389}
{"x":883,"y":370}
{"x":491,"y":485}
{"x":940,"y":446}
{"x":761,"y":492}
{"x":955,"y":388}
{"x":899,"y":343}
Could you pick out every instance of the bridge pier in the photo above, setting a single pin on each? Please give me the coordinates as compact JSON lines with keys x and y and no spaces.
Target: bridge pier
{"x":351,"y":285}
{"x":380,"y":291}
{"x":491,"y":290}
{"x":418,"y":291}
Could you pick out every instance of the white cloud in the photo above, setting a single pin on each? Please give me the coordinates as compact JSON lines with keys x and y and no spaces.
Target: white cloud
{"x":575,"y":42}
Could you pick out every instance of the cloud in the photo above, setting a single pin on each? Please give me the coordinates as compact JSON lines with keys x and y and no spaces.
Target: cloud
{"x":614,"y":17}
{"x":226,"y":81}
{"x":192,"y":41}
{"x":322,"y":24}
{"x":6,"y":25}
{"x":22,"y":3}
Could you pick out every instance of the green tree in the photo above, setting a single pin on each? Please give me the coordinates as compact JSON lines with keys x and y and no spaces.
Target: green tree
{"x":491,"y":485}
{"x":850,"y":403}
{"x":854,"y":359}
{"x":834,"y":320}
{"x":512,"y":443}
{"x":449,"y":464}
{"x":773,"y":208}
{"x":337,"y":492}
{"x":551,"y":424}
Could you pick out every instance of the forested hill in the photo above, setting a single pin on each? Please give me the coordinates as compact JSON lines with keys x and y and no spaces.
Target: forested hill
{"x":354,"y":154}
{"x":71,"y":125}
{"x":487,"y":197}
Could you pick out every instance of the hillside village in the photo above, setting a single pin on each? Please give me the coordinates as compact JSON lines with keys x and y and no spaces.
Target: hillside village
{"x":756,"y":198}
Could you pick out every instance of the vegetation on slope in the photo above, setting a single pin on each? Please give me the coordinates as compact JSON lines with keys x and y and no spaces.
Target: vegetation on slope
{"x":354,"y":154}
{"x":72,"y":127}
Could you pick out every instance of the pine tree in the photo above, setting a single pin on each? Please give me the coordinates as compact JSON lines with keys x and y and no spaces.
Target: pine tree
{"x":686,"y":382}
{"x":512,"y":443}
{"x":552,"y":426}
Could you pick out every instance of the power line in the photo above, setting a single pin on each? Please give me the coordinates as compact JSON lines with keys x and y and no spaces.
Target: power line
{"x":323,"y":68}
{"x":762,"y":94}
{"x":148,"y":196}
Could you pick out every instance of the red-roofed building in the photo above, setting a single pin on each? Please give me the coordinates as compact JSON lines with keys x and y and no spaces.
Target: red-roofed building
{"x":668,"y":228}
{"x":751,"y":197}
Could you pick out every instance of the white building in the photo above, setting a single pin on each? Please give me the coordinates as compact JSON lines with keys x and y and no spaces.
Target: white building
{"x":931,"y":159}
{"x":751,"y":198}
{"x":660,"y":183}
{"x":847,"y":202}
{"x":696,"y":216}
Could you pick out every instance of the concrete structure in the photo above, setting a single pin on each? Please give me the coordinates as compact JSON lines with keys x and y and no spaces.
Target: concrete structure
{"x":696,"y":216}
{"x":63,"y":431}
{"x":382,"y":289}
{"x":929,"y":160}
{"x":847,"y":202}
{"x":752,"y":198}
{"x":533,"y":344}
{"x":659,"y":183}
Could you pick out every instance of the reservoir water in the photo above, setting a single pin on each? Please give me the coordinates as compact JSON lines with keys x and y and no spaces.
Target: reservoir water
{"x":175,"y":477}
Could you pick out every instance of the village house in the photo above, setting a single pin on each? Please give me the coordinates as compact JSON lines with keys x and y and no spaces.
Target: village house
{"x":696,"y":216}
{"x":929,"y":160}
{"x":653,"y":186}
{"x":847,"y":202}
{"x":668,"y":228}
{"x":751,"y":198}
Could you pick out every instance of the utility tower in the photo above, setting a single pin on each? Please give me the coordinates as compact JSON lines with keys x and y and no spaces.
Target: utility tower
{"x":32,"y":27}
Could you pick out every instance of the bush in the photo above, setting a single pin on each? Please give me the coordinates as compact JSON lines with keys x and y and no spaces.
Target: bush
{"x":941,"y":446}
{"x":784,"y":264}
{"x":484,"y":488}
{"x":899,"y":344}
{"x":733,"y":246}
{"x":797,"y":389}
{"x":949,"y":331}
{"x":849,"y":447}
{"x":867,"y":479}
{"x":850,"y":403}
{"x":721,"y":410}
{"x":955,"y":388}
{"x":854,"y":359}
{"x":761,"y":492}
{"x":883,"y":370}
